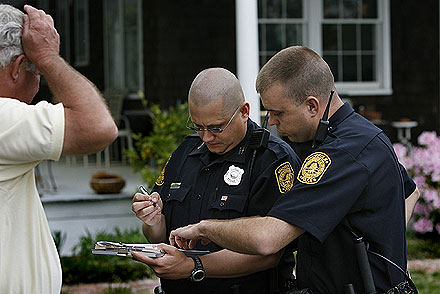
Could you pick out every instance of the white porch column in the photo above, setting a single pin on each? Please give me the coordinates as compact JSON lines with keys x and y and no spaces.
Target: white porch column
{"x":246,"y":16}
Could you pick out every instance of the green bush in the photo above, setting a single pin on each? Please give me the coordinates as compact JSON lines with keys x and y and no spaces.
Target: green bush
{"x":420,"y":247}
{"x":151,"y":152}
{"x":84,"y":267}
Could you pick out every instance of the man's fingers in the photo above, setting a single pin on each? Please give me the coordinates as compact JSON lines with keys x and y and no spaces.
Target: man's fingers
{"x":143,"y":258}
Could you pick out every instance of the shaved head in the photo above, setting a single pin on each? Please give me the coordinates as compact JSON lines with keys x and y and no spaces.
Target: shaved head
{"x":214,"y":84}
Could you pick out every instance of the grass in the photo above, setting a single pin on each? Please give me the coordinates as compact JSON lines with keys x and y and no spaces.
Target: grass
{"x":424,"y":248}
{"x":426,"y":283}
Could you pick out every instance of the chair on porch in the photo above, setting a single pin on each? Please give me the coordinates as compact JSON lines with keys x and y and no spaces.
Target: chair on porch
{"x":115,"y":99}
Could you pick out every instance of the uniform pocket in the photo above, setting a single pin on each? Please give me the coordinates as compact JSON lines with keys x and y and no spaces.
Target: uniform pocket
{"x":178,"y":194}
{"x":233,"y":202}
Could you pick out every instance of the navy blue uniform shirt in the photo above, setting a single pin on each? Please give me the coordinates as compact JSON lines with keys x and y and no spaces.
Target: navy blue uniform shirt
{"x":353,"y":174}
{"x":197,"y":184}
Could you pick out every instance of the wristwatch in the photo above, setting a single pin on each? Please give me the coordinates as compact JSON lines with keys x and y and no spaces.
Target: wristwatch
{"x":198,"y":273}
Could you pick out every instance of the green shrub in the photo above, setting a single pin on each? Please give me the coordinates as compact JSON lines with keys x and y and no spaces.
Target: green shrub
{"x":84,"y":267}
{"x":151,"y":152}
{"x":421,"y":248}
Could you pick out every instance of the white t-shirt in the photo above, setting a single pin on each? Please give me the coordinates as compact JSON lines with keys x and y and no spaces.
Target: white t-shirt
{"x":29,"y":261}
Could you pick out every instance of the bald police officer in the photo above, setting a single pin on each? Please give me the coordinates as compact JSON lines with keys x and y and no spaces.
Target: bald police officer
{"x":209,"y":176}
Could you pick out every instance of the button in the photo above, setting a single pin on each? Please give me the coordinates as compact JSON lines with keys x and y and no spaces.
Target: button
{"x":222,"y":204}
{"x":207,"y":169}
{"x":168,"y":196}
{"x":199,"y":197}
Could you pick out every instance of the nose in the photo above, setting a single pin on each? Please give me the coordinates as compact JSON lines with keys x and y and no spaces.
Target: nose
{"x":206,"y":136}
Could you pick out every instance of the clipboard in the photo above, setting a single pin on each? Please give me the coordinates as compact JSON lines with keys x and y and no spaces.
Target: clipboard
{"x":124,"y":250}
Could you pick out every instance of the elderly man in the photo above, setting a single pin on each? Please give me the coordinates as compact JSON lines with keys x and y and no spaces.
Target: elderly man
{"x":78,"y":124}
{"x":213,"y":174}
{"x":350,"y":185}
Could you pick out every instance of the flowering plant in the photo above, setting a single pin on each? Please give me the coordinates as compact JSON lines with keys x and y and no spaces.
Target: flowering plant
{"x":423,"y":164}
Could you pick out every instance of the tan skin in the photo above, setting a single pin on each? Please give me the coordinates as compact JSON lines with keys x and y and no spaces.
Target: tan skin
{"x":267,"y":235}
{"x":221,"y":264}
{"x":89,"y":126}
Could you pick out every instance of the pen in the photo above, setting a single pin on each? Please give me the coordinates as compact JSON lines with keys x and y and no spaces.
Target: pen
{"x":145,"y":192}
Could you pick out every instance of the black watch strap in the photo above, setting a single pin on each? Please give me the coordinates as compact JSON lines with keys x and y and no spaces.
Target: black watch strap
{"x":198,"y":272}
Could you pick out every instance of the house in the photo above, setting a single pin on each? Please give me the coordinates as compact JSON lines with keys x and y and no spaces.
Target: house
{"x":384,"y":53}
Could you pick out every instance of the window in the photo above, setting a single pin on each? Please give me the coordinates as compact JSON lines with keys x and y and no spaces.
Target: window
{"x":82,"y":41}
{"x":62,"y":23}
{"x":353,"y":36}
{"x":123,"y":45}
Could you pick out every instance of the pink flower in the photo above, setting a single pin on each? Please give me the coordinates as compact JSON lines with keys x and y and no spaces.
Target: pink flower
{"x":423,"y":225}
{"x":427,"y":138}
{"x":437,"y":227}
{"x":400,"y":150}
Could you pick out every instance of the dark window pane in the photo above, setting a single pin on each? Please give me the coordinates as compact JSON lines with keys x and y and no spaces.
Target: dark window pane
{"x":274,"y":9}
{"x":293,"y":34}
{"x":261,"y":9}
{"x":332,"y":61}
{"x":262,"y":60}
{"x":294,"y":9}
{"x":351,"y":8}
{"x":331,"y":9}
{"x":330,"y":37}
{"x":367,"y":37}
{"x":348,"y":37}
{"x":273,"y":37}
{"x":262,"y":38}
{"x":349,"y":65}
{"x":368,"y":68}
{"x":369,"y":8}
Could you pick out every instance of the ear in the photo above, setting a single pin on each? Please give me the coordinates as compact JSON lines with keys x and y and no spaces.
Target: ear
{"x":313,"y":105}
{"x":16,"y":67}
{"x":245,"y":110}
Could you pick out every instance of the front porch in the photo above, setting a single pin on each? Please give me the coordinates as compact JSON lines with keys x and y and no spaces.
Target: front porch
{"x":74,"y":209}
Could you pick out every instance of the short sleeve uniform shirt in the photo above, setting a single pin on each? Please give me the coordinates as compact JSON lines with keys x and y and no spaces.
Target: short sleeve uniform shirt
{"x":197,"y":184}
{"x":353,"y":174}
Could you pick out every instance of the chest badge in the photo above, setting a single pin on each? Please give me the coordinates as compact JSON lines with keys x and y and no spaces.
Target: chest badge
{"x":285,"y":177}
{"x":314,"y":167}
{"x":233,"y":176}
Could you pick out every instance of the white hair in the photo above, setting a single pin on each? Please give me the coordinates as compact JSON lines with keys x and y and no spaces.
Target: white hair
{"x":11,"y":28}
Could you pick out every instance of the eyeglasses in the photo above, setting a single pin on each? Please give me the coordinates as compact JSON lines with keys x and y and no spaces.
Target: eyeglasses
{"x":212,"y":130}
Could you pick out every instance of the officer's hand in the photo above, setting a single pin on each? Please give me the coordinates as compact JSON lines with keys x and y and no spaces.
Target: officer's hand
{"x":187,"y":237}
{"x":173,"y":265}
{"x":40,"y":39}
{"x":148,"y":208}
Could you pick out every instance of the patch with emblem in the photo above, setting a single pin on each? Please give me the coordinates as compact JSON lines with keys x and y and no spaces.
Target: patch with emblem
{"x":285,"y":177}
{"x":314,"y":167}
{"x":161,"y":179}
{"x":233,"y":176}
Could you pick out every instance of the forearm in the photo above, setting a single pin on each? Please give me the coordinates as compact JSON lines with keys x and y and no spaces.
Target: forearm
{"x":156,"y":233}
{"x":252,"y":235}
{"x":229,"y":264}
{"x":89,"y":124}
{"x":410,"y":203}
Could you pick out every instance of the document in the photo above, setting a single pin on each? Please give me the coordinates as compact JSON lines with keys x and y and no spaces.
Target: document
{"x":124,"y":250}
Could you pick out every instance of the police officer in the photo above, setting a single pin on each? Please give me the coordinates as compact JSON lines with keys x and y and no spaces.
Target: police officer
{"x":211,"y":175}
{"x":351,"y":183}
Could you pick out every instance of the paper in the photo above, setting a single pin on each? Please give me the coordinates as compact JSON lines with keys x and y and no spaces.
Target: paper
{"x":124,"y":250}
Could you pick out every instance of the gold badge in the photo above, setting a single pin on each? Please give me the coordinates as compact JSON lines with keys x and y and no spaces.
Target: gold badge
{"x":314,"y":167}
{"x":285,"y":177}
{"x":161,"y":178}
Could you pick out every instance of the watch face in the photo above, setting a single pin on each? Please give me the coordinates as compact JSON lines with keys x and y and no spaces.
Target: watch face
{"x":198,"y":275}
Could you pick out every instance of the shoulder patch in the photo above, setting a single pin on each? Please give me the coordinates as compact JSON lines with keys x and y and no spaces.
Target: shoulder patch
{"x":285,"y":177}
{"x":161,"y":179}
{"x":314,"y":167}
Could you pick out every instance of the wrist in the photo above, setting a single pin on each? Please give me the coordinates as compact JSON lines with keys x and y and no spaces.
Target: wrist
{"x":198,"y":273}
